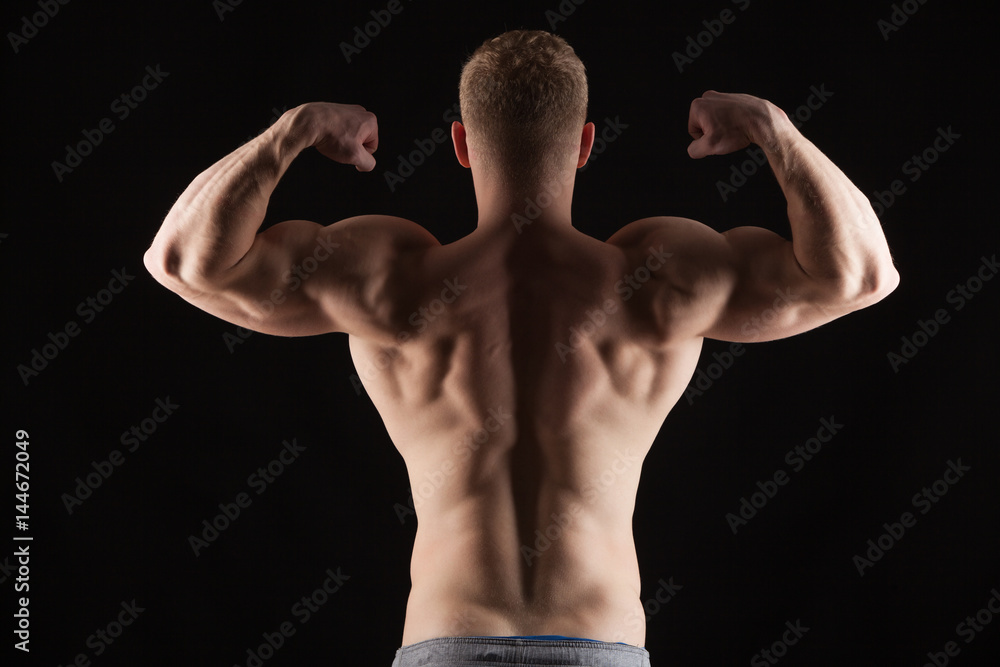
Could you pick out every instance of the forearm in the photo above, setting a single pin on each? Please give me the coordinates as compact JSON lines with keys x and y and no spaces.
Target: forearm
{"x":836,"y":236}
{"x":213,"y":224}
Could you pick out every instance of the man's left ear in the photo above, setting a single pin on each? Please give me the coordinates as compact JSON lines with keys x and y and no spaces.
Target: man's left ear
{"x":586,"y":144}
{"x":461,"y":147}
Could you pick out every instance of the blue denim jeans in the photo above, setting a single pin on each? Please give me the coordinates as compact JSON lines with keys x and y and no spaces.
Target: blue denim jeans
{"x":509,"y":651}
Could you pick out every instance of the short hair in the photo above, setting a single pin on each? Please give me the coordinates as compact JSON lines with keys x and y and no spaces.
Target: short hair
{"x":523,"y":98}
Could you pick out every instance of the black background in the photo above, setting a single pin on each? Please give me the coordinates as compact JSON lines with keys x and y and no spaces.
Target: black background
{"x":336,"y":505}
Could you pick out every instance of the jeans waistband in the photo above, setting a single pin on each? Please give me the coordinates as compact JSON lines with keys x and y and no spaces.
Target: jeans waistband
{"x":454,"y":651}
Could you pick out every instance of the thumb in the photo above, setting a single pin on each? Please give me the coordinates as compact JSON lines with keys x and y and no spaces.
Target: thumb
{"x":364,"y":161}
{"x":698,"y":148}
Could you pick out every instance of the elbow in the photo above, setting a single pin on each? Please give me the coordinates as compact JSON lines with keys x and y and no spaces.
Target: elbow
{"x":881,"y":279}
{"x":875,"y":284}
{"x":858,"y":288}
{"x":167,"y":268}
{"x":155,"y":264}
{"x":887,"y":282}
{"x":162,"y":265}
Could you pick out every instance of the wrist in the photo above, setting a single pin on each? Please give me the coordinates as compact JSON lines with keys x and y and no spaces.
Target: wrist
{"x":294,"y":130}
{"x":773,"y":128}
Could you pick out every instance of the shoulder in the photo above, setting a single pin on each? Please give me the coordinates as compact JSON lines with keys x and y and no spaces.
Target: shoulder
{"x":374,"y":247}
{"x":696,"y":251}
{"x":661,"y":229}
{"x":385,"y":230}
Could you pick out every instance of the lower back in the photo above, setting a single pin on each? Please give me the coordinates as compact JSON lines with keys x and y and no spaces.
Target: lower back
{"x":474,"y":573}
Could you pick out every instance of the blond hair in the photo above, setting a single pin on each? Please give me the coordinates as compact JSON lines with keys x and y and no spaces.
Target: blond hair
{"x":523,"y":98}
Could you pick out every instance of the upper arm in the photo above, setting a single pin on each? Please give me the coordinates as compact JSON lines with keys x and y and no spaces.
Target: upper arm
{"x":300,"y":278}
{"x":743,"y":285}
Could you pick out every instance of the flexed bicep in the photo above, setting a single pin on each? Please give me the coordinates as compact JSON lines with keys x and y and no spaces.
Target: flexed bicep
{"x":768,"y":294}
{"x":744,"y":285}
{"x":302,"y":279}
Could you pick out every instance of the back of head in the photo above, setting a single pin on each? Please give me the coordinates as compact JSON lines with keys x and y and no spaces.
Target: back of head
{"x":524,"y":103}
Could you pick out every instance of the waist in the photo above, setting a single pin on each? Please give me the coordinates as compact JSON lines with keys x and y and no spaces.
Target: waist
{"x":573,"y":578}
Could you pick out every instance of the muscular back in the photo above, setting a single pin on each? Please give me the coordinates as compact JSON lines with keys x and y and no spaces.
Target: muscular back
{"x":523,"y":379}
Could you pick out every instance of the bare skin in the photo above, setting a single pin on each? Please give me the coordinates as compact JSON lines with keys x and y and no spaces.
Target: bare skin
{"x":524,"y":370}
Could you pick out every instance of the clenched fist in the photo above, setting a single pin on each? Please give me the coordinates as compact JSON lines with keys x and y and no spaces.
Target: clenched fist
{"x":723,"y":123}
{"x":345,"y":133}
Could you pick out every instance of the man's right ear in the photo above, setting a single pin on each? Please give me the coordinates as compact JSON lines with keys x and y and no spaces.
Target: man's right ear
{"x":461,"y":146}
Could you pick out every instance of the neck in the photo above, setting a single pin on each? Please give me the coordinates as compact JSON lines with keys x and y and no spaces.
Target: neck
{"x":546,"y":204}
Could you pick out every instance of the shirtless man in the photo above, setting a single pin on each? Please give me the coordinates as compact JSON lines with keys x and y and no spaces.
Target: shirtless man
{"x":525,"y":368}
